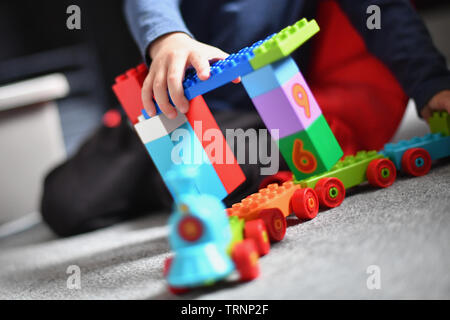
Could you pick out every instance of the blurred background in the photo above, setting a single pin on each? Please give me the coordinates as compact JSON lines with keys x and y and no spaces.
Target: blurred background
{"x":55,"y":85}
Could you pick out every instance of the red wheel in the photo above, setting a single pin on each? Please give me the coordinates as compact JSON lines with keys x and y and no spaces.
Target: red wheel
{"x":305,"y":204}
{"x":275,"y":223}
{"x":381,"y":173}
{"x":167,"y":264}
{"x":178,"y":291}
{"x":245,"y":257}
{"x":257,"y":231}
{"x":330,"y":191}
{"x":166,"y":269}
{"x":416,"y":162}
{"x":279,"y":178}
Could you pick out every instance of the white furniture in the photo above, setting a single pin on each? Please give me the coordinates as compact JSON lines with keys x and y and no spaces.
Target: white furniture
{"x":31,"y":142}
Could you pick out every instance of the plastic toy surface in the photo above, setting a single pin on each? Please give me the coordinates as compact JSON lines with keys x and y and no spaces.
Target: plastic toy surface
{"x":440,"y":123}
{"x":274,"y":203}
{"x":128,"y":90}
{"x":414,"y":156}
{"x":353,"y":170}
{"x":284,"y":43}
{"x":248,"y":59}
{"x":208,"y":246}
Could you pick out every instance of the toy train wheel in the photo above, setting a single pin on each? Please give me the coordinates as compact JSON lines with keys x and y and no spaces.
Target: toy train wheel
{"x":278,"y":178}
{"x":416,"y":162}
{"x":381,"y":173}
{"x":166,"y":269}
{"x":275,"y":223}
{"x":245,"y":257}
{"x":256,"y":230}
{"x":330,"y":191}
{"x":178,"y":291}
{"x":305,"y":204}
{"x":167,"y":264}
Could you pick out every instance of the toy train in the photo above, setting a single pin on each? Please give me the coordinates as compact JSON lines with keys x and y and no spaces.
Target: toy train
{"x":281,"y":195}
{"x":211,"y":242}
{"x":208,"y":245}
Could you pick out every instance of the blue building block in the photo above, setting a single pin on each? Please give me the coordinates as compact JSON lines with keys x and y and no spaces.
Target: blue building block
{"x":269,"y":77}
{"x":158,"y":110}
{"x":437,"y":145}
{"x":163,"y":155}
{"x":221,"y":72}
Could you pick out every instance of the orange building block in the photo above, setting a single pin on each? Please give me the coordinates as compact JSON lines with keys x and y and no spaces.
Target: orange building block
{"x":274,"y":196}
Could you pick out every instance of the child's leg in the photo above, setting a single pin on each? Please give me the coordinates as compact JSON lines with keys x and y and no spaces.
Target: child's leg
{"x":359,"y":96}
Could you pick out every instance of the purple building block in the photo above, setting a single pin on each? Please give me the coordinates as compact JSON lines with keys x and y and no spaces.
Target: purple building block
{"x":289,"y":108}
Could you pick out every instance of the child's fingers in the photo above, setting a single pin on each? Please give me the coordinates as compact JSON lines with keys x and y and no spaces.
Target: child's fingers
{"x":147,"y":95}
{"x":200,"y":64}
{"x":161,"y":96}
{"x":175,"y":82}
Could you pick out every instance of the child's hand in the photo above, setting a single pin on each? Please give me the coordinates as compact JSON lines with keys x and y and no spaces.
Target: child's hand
{"x":440,"y":102}
{"x":171,"y":55}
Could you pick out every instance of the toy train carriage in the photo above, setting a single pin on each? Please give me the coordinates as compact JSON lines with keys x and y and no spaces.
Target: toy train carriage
{"x":208,"y":246}
{"x":276,"y":201}
{"x":415,"y":156}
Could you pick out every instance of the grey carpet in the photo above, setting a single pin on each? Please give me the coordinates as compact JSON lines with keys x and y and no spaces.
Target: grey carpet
{"x":405,"y":230}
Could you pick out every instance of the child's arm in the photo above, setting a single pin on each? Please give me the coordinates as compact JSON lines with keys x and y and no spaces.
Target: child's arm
{"x":405,"y":46}
{"x":164,"y":39}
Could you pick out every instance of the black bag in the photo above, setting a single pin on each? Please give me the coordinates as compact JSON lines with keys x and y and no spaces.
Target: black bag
{"x":111,"y":178}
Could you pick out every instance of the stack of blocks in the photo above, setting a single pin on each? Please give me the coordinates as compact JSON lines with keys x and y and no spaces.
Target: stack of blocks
{"x":281,"y":96}
{"x":285,"y":102}
{"x":161,"y":136}
{"x":277,"y":89}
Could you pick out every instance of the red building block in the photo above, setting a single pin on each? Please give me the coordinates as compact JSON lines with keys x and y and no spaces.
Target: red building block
{"x":228,"y":170}
{"x":128,"y":90}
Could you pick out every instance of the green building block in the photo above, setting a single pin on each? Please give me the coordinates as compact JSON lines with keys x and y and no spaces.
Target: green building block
{"x":351,"y":170}
{"x":284,"y":43}
{"x":237,"y":231}
{"x":440,"y":123}
{"x":317,"y":141}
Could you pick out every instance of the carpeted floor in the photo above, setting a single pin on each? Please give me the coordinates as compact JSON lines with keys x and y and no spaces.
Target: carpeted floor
{"x":404,"y":230}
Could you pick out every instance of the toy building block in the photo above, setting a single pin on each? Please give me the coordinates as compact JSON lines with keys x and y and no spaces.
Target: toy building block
{"x":128,"y":90}
{"x":248,"y":59}
{"x":291,"y":107}
{"x":207,"y":180}
{"x":208,"y":245}
{"x":311,"y":151}
{"x":269,"y":77}
{"x":221,"y":72}
{"x":158,"y":126}
{"x":351,"y":170}
{"x":157,"y":134}
{"x":145,"y":114}
{"x":283,"y":43}
{"x":222,"y":158}
{"x":440,"y":123}
{"x":435,"y":144}
{"x":274,"y":196}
